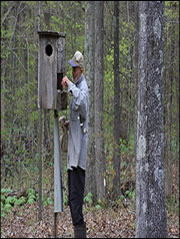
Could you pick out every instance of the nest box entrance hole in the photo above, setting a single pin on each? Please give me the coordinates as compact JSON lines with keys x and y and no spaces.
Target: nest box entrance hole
{"x":49,"y":50}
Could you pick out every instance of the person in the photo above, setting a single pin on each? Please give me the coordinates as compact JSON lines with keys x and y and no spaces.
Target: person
{"x":77,"y":142}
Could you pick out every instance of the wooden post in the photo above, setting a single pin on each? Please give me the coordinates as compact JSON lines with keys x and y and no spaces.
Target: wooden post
{"x":40,"y":166}
{"x":40,"y":135}
{"x":55,"y":225}
{"x":51,"y":67}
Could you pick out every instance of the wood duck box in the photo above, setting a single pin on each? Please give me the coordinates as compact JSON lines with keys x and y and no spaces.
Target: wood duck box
{"x":51,"y":69}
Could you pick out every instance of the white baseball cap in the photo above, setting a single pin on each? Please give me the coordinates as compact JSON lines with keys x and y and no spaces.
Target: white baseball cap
{"x":77,"y":60}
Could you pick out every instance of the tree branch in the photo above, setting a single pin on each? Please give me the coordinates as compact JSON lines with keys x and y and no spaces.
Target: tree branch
{"x":7,"y":14}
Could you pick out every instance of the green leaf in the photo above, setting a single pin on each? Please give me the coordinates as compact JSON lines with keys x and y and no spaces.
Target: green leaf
{"x":88,"y":198}
{"x":32,"y":197}
{"x":30,"y":201}
{"x":20,"y":201}
{"x":49,"y":200}
{"x":11,"y":199}
{"x":3,"y":198}
{"x":98,"y":207}
{"x":7,"y":207}
{"x":3,"y":214}
{"x":134,"y":195}
{"x":127,"y":192}
{"x":31,"y":191}
{"x":6,"y":190}
{"x":122,"y":197}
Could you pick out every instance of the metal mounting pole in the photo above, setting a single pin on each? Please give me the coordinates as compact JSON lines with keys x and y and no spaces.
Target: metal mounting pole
{"x":58,"y":193}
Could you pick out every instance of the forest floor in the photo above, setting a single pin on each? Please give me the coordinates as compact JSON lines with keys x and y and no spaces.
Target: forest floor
{"x":22,"y":222}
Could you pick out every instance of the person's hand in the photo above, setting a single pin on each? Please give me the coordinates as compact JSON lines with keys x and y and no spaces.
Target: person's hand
{"x":66,"y":124}
{"x":65,"y":81}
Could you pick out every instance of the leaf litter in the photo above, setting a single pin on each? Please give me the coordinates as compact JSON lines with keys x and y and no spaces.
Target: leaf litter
{"x":22,"y":222}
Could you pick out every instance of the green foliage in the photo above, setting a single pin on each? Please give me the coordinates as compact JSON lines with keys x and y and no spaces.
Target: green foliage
{"x":130,"y":194}
{"x":98,"y":207}
{"x":46,"y":201}
{"x":8,"y":201}
{"x":31,"y":196}
{"x":49,"y":201}
{"x":100,"y":204}
{"x":65,"y":199}
{"x":172,"y":204}
{"x":21,"y":201}
{"x":91,"y":204}
{"x":125,"y":148}
{"x":88,"y":199}
{"x":7,"y":207}
{"x":6,"y":190}
{"x":5,"y":201}
{"x":170,"y":7}
{"x":11,"y":200}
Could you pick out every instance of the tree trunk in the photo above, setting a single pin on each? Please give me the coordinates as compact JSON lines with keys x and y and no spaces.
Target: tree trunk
{"x":150,"y":189}
{"x":135,"y":66}
{"x":13,"y":87}
{"x":99,"y":89}
{"x":89,"y":56}
{"x":169,"y":119}
{"x":27,"y":91}
{"x":168,"y":157}
{"x":177,"y":122}
{"x":128,"y":80}
{"x":116,"y":163}
{"x":40,"y":137}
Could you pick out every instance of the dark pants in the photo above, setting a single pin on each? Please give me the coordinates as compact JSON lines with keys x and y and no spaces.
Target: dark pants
{"x":76,"y":184}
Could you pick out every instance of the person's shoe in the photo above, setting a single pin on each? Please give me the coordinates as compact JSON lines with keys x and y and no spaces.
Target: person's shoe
{"x":80,"y":231}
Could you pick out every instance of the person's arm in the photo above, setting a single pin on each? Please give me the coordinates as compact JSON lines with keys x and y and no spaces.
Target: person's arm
{"x":80,"y":101}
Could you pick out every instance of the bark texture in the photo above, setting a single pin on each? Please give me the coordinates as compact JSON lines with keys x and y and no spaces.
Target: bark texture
{"x":116,"y":157}
{"x":99,"y":92}
{"x":89,"y":56}
{"x":150,"y":193}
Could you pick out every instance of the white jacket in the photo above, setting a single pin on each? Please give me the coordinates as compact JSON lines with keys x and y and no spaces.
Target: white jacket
{"x":78,"y":124}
